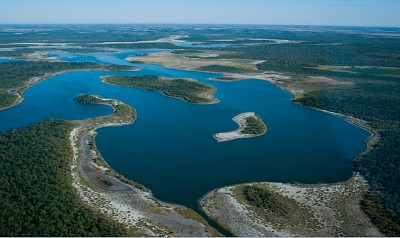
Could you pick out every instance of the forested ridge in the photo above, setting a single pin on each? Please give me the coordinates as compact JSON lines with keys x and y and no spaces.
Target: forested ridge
{"x":37,"y":198}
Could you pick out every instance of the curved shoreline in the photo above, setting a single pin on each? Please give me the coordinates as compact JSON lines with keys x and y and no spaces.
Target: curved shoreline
{"x":238,"y":133}
{"x":129,"y":203}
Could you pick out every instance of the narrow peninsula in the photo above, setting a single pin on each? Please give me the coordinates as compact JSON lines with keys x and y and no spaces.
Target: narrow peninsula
{"x":250,"y":125}
{"x":189,"y":90}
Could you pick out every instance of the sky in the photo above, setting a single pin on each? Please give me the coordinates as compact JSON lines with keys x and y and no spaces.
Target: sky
{"x":280,"y":12}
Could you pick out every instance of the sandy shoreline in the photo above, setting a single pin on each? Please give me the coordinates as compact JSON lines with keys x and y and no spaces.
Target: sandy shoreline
{"x":238,"y":133}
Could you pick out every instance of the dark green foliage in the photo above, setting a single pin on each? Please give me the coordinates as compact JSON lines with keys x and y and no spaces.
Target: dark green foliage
{"x":262,"y":198}
{"x":18,"y":53}
{"x":37,"y":198}
{"x":381,"y":169}
{"x":353,"y":51}
{"x":259,"y":197}
{"x":87,"y":99}
{"x":6,"y":99}
{"x":186,"y":51}
{"x":221,"y":68}
{"x":187,"y":90}
{"x":254,"y":126}
{"x":377,"y":102}
{"x":386,"y":221}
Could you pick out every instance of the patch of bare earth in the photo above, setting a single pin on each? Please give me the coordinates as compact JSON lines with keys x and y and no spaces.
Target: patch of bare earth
{"x":194,"y":61}
{"x":326,"y":80}
{"x":312,"y":210}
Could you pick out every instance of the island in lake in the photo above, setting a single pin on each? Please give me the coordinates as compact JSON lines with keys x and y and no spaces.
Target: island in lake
{"x":250,"y":125}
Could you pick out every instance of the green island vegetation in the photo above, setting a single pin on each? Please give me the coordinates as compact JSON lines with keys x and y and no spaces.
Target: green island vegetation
{"x":37,"y":196}
{"x":14,"y":75}
{"x":222,"y":68}
{"x":254,"y":126}
{"x":88,"y":99}
{"x":188,"y":90}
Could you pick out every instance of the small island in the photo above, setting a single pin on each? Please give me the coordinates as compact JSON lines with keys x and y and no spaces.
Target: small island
{"x":250,"y":125}
{"x":189,"y":90}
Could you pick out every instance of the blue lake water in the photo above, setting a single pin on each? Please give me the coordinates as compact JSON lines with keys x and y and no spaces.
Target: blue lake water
{"x":170,"y":148}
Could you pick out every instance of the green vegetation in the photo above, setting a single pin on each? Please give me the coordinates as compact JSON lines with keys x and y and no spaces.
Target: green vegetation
{"x":37,"y":196}
{"x":222,"y":68}
{"x":88,"y":99}
{"x":386,"y":221}
{"x":254,"y":126}
{"x":270,"y":205}
{"x":17,"y":53}
{"x":261,"y":198}
{"x":188,"y":90}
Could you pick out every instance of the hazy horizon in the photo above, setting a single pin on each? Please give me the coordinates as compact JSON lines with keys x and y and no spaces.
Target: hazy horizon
{"x":368,"y":13}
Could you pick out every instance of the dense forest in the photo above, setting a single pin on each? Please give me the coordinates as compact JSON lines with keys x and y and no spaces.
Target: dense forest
{"x":222,"y":68}
{"x":188,"y":90}
{"x":88,"y":99}
{"x":37,"y":198}
{"x":254,"y":126}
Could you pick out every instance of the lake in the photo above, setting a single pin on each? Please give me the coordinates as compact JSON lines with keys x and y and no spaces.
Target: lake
{"x":170,"y":149}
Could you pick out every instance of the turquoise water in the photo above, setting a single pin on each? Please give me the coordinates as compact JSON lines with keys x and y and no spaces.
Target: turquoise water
{"x":170,"y":148}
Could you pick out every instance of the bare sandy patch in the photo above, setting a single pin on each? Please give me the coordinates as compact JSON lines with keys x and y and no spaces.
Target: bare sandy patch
{"x":326,"y":80}
{"x":332,"y":210}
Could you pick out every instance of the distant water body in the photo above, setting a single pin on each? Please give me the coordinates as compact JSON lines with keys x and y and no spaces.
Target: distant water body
{"x":170,"y":148}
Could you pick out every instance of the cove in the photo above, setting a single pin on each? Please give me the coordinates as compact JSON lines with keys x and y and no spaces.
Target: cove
{"x":170,"y":148}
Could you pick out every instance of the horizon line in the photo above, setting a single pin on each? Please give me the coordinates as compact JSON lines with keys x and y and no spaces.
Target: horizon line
{"x":215,"y":24}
